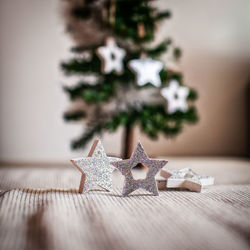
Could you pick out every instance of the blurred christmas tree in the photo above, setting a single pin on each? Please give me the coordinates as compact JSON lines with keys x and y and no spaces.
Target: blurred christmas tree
{"x":122,"y":80}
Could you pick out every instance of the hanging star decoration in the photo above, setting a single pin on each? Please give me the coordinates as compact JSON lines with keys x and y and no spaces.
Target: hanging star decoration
{"x":96,"y":169}
{"x":186,"y":179}
{"x":149,"y":183}
{"x":147,"y":71}
{"x":176,"y":97}
{"x":111,"y":56}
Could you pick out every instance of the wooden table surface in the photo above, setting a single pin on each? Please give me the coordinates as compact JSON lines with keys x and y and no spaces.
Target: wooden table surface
{"x":41,"y":209}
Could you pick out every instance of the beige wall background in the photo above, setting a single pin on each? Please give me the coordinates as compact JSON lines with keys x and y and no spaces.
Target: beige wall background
{"x":214,"y":36}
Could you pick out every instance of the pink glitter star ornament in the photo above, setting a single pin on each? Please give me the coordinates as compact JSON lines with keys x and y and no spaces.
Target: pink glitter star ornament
{"x":149,"y":183}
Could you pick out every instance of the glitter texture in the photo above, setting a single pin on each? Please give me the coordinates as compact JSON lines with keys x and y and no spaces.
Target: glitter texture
{"x":125,"y":167}
{"x":97,"y":168}
{"x":184,"y":177}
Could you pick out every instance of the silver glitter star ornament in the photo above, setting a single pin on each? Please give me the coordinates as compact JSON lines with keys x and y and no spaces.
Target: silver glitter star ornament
{"x":149,"y":183}
{"x":176,"y":96}
{"x":186,"y":178}
{"x":111,"y":56}
{"x":147,"y":71}
{"x":96,"y":169}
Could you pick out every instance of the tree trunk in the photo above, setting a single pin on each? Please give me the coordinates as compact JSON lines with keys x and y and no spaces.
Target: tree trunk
{"x":127,"y":142}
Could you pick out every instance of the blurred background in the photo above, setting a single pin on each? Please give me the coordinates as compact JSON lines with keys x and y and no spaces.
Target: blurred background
{"x":214,"y":37}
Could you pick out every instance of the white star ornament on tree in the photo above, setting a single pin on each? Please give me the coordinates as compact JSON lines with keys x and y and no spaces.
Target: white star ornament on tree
{"x":111,"y":56}
{"x":176,"y":97}
{"x":147,"y":71}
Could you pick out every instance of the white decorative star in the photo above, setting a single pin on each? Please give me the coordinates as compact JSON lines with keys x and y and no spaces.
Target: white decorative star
{"x":176,"y":96}
{"x":186,"y":178}
{"x":96,"y":169}
{"x":112,"y":57}
{"x":147,"y":71}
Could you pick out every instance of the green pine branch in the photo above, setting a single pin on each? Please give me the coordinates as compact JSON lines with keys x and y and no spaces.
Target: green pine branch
{"x":92,"y":129}
{"x":74,"y":115}
{"x":193,"y":95}
{"x":130,"y":13}
{"x":167,"y":75}
{"x":91,"y":94}
{"x":152,"y":120}
{"x":162,"y":15}
{"x":159,"y":49}
{"x":80,"y":66}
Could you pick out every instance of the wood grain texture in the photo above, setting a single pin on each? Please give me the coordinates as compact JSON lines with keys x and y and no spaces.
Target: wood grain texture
{"x":40,"y":208}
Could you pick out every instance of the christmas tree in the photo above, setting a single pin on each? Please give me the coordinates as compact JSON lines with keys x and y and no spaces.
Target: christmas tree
{"x":122,"y":80}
